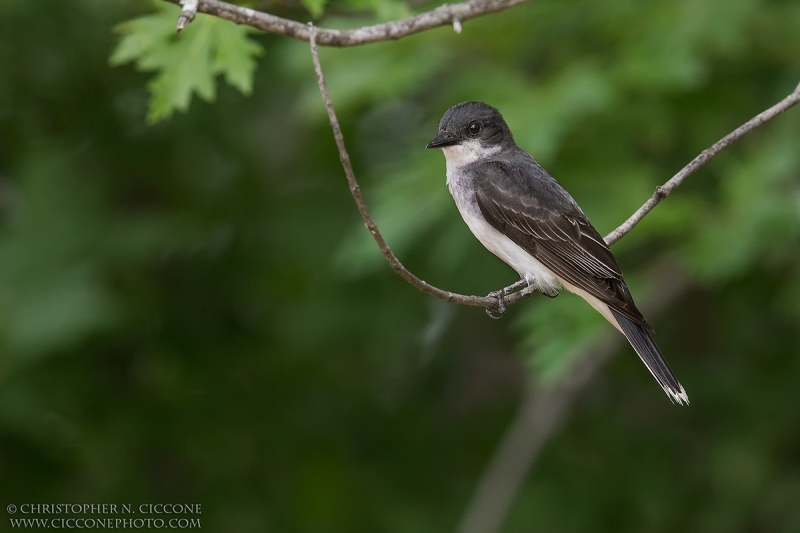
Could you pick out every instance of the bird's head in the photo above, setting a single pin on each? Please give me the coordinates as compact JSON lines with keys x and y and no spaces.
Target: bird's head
{"x":471,"y":131}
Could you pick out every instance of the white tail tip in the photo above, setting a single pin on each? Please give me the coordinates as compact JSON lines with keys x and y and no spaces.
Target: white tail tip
{"x":677,"y":396}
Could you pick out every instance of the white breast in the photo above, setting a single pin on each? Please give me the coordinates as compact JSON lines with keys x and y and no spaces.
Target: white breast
{"x":527,"y":266}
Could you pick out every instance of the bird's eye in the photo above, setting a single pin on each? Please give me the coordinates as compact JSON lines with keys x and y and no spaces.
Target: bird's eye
{"x":474,"y":128}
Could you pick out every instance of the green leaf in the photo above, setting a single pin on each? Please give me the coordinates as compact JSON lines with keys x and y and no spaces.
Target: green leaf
{"x":187,"y":63}
{"x":236,"y":55}
{"x":140,"y":36}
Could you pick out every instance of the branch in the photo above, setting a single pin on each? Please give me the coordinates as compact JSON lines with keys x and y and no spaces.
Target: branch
{"x":355,"y":190}
{"x":187,"y":15}
{"x":662,"y":191}
{"x":541,"y":412}
{"x":493,"y":300}
{"x":446,"y":14}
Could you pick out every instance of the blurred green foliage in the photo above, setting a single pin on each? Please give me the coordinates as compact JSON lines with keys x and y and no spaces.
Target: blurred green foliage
{"x":193,"y":312}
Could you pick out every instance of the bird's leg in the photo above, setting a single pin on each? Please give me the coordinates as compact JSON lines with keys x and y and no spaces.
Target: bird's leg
{"x":500,"y":309}
{"x":516,"y":286}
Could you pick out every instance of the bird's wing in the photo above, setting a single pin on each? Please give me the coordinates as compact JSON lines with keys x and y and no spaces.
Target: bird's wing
{"x":530,"y":207}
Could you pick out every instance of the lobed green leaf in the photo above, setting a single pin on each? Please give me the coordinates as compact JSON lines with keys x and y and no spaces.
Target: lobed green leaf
{"x":187,"y":63}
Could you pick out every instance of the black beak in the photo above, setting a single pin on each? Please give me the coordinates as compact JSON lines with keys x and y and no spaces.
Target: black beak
{"x":442,"y":140}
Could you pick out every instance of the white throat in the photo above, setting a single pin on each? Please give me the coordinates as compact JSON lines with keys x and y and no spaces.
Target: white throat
{"x":466,"y":153}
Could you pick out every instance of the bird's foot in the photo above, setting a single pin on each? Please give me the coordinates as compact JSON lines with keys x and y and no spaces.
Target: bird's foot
{"x":499,"y":310}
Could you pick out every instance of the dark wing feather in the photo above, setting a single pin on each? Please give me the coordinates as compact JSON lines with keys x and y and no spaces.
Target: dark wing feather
{"x":530,"y":207}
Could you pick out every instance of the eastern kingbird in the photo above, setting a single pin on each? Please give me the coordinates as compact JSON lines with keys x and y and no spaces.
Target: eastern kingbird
{"x":522,"y":215}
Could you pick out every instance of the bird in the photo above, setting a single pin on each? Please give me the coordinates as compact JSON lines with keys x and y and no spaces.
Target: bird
{"x":521,"y":214}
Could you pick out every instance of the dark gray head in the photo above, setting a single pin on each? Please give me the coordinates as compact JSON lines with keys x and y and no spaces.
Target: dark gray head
{"x":473,"y":121}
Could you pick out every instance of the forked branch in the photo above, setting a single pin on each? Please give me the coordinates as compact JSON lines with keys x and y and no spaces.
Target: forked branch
{"x":662,"y":191}
{"x":446,"y":14}
{"x":493,"y":301}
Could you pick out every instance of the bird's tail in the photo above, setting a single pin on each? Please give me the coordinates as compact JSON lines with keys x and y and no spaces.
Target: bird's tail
{"x":651,"y":356}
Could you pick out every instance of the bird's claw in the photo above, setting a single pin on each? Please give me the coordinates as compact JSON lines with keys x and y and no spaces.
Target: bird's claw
{"x":499,"y":311}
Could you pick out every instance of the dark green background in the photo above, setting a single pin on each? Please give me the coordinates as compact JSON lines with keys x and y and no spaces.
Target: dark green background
{"x":192,"y":311}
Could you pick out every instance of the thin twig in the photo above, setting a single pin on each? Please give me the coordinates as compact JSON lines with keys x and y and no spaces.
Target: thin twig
{"x":188,"y":13}
{"x":542,"y":411}
{"x":355,"y":190}
{"x":513,"y":297}
{"x":447,"y":14}
{"x":662,"y":191}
